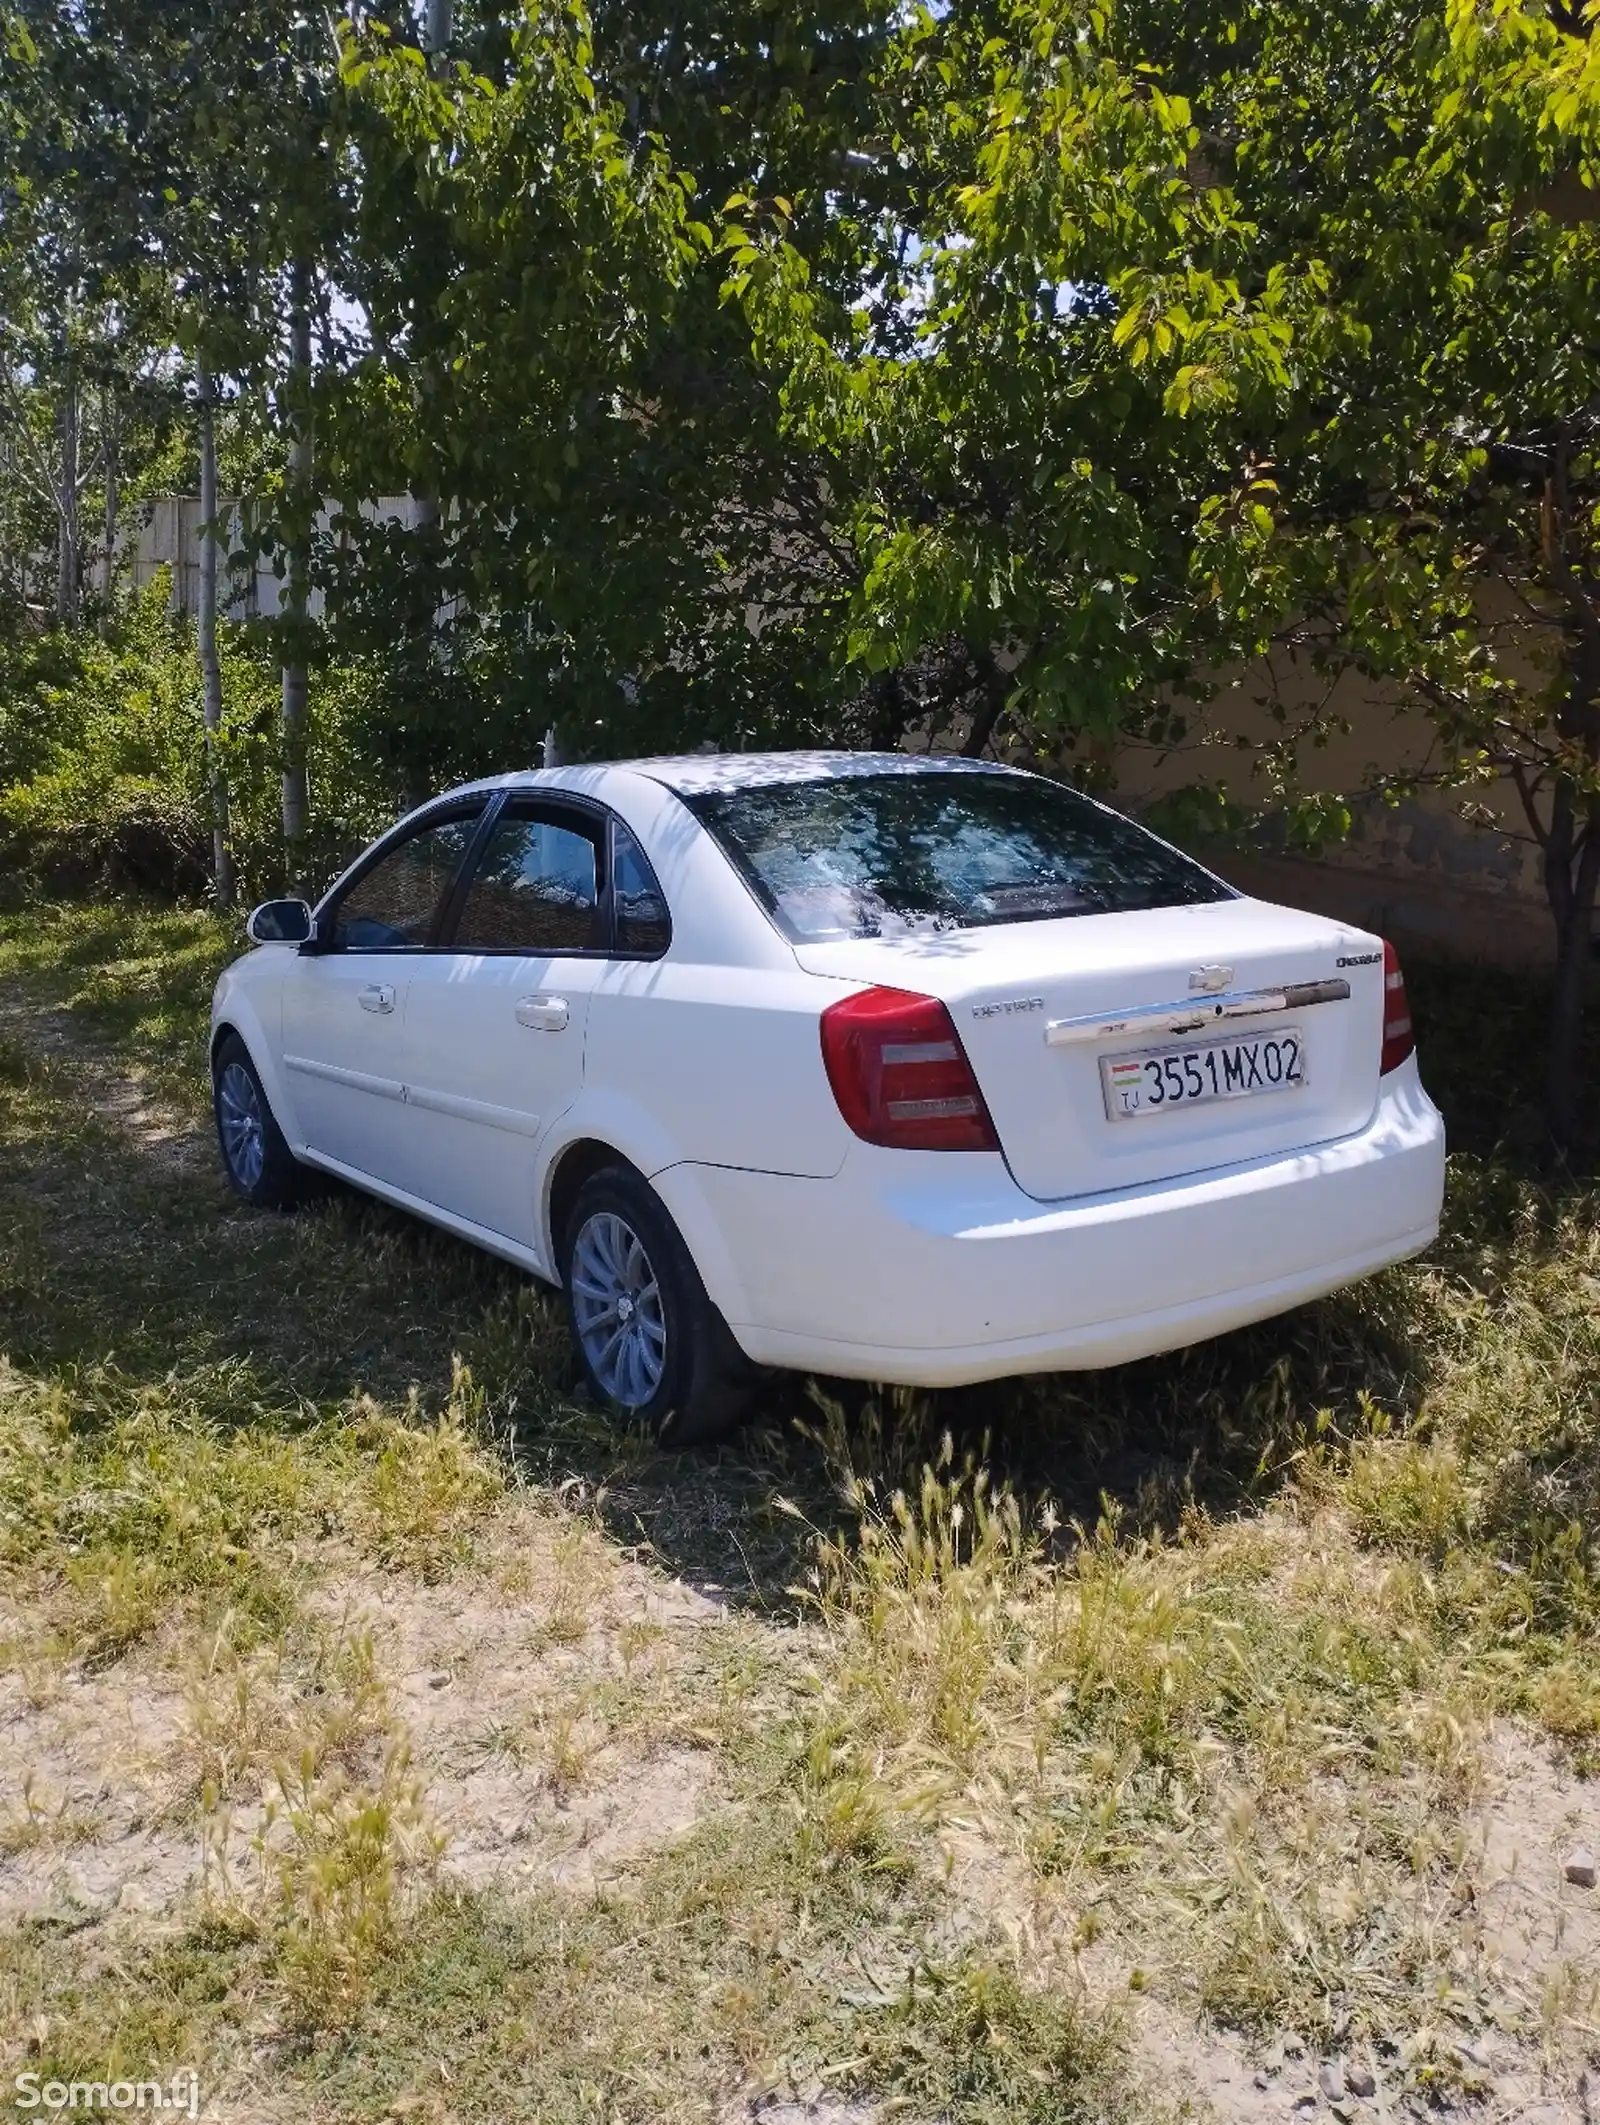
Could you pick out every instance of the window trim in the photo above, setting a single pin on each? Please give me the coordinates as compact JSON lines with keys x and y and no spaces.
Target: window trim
{"x":479,"y":804}
{"x":593,"y":817}
{"x":633,"y":955}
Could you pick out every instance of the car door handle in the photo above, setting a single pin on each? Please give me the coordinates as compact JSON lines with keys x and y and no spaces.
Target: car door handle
{"x":546,"y":1014}
{"x":377,"y":996}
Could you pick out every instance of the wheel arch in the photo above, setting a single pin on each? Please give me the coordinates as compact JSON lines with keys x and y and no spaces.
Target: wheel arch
{"x":576,"y":1162}
{"x":245,"y":1027}
{"x":221,"y":1031}
{"x":683,"y":1200}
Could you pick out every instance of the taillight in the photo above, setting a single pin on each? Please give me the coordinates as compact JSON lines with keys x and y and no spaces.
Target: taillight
{"x":1398,"y":1040}
{"x":901,"y":1075}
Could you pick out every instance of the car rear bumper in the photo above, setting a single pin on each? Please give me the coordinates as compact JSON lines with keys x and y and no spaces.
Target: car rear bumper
{"x":934,"y":1269}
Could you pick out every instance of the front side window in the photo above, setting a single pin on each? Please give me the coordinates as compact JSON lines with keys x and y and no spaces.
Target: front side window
{"x":643,"y":924}
{"x":536,"y":889}
{"x":889,"y":855}
{"x":392,"y":906}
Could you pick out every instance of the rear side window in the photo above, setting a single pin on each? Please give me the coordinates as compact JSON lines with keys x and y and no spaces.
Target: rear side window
{"x":536,"y":889}
{"x":643,"y":924}
{"x":896,"y":854}
{"x":392,"y":905}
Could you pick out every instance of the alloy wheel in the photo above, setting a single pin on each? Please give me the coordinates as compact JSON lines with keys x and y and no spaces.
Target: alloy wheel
{"x":241,"y":1124}
{"x":617,"y":1310}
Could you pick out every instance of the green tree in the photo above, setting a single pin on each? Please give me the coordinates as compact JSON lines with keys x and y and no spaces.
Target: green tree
{"x":1435,"y":511}
{"x":193,"y":159}
{"x":1033,"y":409}
{"x":1192,"y":331}
{"x":624,"y":542}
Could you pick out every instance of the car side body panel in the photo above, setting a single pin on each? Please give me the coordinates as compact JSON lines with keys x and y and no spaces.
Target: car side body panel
{"x":727,"y":1059}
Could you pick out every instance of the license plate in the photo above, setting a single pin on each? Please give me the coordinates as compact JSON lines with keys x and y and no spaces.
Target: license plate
{"x":1156,"y":1080}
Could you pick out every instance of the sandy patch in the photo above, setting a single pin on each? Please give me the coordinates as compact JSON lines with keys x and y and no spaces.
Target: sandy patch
{"x":88,"y":1781}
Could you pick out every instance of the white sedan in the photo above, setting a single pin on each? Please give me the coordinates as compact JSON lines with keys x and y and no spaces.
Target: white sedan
{"x":906,"y":1069}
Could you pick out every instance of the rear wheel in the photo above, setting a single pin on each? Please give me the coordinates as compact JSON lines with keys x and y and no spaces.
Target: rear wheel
{"x":650,"y":1341}
{"x":255,"y":1152}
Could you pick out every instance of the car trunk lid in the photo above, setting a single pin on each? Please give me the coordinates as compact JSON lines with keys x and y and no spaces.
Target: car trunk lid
{"x":1038,"y":1005}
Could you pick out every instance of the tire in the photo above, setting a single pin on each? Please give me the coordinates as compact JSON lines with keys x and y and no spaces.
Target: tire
{"x":685,"y":1377}
{"x":255,"y":1155}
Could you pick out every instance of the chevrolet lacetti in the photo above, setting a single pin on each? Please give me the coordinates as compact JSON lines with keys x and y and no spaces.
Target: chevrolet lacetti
{"x":906,"y":1069}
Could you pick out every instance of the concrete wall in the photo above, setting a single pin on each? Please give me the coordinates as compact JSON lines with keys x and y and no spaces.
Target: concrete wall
{"x":1456,"y":871}
{"x":168,"y":537}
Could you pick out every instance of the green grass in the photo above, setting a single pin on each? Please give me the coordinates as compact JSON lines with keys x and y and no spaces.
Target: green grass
{"x":1202,"y":1659}
{"x":135,"y":975}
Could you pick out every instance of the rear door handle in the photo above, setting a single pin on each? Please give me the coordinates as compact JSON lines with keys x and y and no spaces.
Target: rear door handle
{"x":546,"y":1014}
{"x":377,"y":996}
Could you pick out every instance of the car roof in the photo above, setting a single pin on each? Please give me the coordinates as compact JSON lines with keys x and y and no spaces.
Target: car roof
{"x":689,"y":774}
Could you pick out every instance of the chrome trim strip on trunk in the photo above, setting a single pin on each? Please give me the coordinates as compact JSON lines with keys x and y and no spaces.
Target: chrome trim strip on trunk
{"x":1195,"y":1017}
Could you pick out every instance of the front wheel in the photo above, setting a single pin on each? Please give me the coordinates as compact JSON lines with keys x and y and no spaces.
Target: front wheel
{"x":255,"y":1152}
{"x":650,"y":1341}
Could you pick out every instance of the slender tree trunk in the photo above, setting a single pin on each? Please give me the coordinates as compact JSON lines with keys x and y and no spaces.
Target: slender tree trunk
{"x":1572,"y":844}
{"x":887,"y":720}
{"x":438,"y":30}
{"x":206,"y":628}
{"x":67,"y":529}
{"x":296,"y":793}
{"x":994,"y":689}
{"x":110,"y":445}
{"x":421,"y":607}
{"x":1572,"y":884}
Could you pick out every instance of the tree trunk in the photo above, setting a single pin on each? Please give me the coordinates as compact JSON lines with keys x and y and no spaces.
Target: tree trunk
{"x":439,"y":29}
{"x":1572,"y":843}
{"x":421,"y":609}
{"x":887,"y":716}
{"x":206,"y":628}
{"x":296,"y":792}
{"x":111,"y":451}
{"x":994,"y":688}
{"x":1572,"y":884}
{"x":67,"y":506}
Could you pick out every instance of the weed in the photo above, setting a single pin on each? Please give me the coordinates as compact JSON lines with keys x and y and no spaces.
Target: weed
{"x":425,"y":1486}
{"x":40,"y":1821}
{"x":327,"y":1877}
{"x":966,"y":2040}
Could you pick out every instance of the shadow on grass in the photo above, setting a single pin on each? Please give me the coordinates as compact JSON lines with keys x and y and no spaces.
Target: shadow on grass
{"x":120,"y":1256}
{"x":117,"y":1254}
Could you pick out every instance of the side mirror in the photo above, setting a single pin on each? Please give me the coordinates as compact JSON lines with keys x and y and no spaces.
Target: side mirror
{"x":280,"y":922}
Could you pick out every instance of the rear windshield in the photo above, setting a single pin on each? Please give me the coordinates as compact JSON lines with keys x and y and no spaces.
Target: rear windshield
{"x":895,"y":854}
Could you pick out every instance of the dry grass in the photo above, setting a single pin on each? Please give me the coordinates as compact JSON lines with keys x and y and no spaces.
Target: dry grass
{"x":386,"y":1735}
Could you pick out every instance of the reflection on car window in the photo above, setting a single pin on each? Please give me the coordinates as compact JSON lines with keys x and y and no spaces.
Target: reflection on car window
{"x":393,"y":905}
{"x":536,"y":889}
{"x":900,"y":854}
{"x":642,"y":921}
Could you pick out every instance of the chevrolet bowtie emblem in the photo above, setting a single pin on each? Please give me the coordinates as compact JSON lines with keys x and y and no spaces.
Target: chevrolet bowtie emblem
{"x":1210,"y":980}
